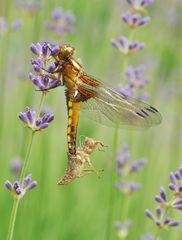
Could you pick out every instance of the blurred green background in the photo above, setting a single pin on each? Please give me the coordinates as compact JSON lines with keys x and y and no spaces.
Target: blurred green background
{"x":79,"y":211}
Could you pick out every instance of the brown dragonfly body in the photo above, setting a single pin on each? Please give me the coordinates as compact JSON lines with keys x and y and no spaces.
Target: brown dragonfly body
{"x":85,"y":92}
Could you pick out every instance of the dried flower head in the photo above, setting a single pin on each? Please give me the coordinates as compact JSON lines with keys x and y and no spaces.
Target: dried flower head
{"x":19,"y":190}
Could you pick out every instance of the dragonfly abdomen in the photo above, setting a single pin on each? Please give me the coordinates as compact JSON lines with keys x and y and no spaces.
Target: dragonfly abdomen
{"x":73,"y":117}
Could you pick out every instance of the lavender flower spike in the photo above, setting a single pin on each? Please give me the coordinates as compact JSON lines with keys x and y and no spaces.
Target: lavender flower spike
{"x":135,"y":20}
{"x":36,"y":124}
{"x":126,"y":47}
{"x":18,"y":190}
{"x":61,"y":22}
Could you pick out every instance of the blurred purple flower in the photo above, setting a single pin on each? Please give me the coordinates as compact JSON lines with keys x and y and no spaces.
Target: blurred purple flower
{"x":126,"y":47}
{"x":61,"y":22}
{"x":30,"y":7}
{"x":147,"y":237}
{"x":16,"y":25}
{"x":140,"y":5}
{"x":19,"y":190}
{"x":135,"y":20}
{"x":36,"y":124}
{"x":127,"y":187}
{"x":135,"y":80}
{"x":16,"y":166}
{"x":123,"y":228}
{"x":2,"y":25}
{"x":125,"y":165}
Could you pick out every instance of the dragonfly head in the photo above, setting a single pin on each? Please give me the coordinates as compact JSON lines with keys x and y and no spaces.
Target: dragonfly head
{"x":66,"y":51}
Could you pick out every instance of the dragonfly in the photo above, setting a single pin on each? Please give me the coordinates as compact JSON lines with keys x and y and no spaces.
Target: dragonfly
{"x":97,"y":100}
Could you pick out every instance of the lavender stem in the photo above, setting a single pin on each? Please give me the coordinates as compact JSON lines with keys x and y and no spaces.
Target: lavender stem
{"x":13,"y":219}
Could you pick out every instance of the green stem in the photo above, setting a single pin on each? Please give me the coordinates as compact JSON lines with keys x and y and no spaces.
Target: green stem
{"x":26,"y":162}
{"x":111,"y":188}
{"x":13,"y":219}
{"x":40,"y":104}
{"x":157,"y":234}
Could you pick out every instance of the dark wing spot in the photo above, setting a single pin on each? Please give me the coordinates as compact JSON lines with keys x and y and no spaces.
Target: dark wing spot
{"x":145,"y":112}
{"x":151,"y":109}
{"x":141,"y":115}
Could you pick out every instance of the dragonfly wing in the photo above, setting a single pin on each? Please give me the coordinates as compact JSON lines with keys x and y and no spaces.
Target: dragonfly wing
{"x":109,"y":107}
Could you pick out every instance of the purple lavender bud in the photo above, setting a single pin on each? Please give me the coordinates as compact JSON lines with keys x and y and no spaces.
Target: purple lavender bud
{"x":159,"y":199}
{"x":52,"y":68}
{"x":174,"y":224}
{"x":177,"y":201}
{"x":16,"y":185}
{"x":22,"y":117}
{"x":172,"y":177}
{"x":178,"y":176}
{"x":45,"y":81}
{"x":158,"y":223}
{"x":172,"y":187}
{"x":44,"y":125}
{"x":180,"y":189}
{"x":50,"y":118}
{"x":54,"y":84}
{"x":27,"y":180}
{"x":123,"y":41}
{"x":31,"y":186}
{"x":36,"y":48}
{"x":167,"y":221}
{"x":29,"y":115}
{"x":55,"y":51}
{"x":115,"y":44}
{"x":38,"y":122}
{"x":163,"y":194}
{"x":179,"y":207}
{"x":45,"y":50}
{"x":36,"y":68}
{"x":158,"y":212}
{"x":149,"y":214}
{"x":18,"y":191}
{"x":8,"y":185}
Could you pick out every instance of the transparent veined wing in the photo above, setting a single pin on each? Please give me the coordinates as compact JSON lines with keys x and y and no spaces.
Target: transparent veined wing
{"x":111,"y":108}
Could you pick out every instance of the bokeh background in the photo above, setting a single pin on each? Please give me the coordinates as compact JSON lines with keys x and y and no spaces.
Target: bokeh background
{"x":85,"y":209}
